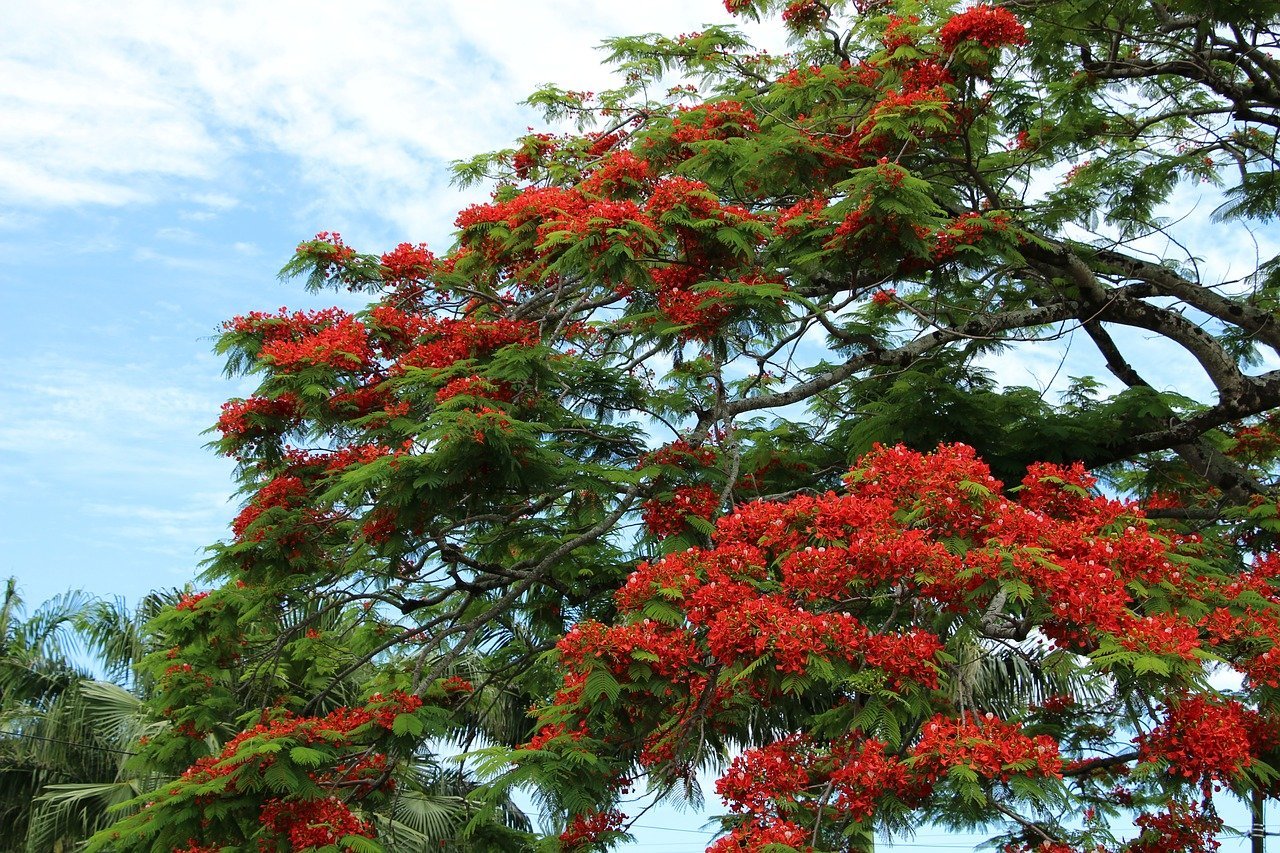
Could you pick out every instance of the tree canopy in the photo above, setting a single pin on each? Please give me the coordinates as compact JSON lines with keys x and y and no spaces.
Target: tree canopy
{"x":688,"y":454}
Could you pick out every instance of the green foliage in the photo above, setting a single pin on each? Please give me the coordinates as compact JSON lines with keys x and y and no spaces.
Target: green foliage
{"x":738,"y":276}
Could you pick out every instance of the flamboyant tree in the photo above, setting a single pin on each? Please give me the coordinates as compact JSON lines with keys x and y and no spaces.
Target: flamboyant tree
{"x":689,"y":445}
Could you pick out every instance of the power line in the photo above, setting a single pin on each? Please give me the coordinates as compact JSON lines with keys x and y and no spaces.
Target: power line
{"x":676,"y":829}
{"x":80,"y":744}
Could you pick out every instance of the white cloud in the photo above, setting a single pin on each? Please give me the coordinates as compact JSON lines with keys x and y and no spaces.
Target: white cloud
{"x":178,"y":235}
{"x":179,"y":262}
{"x":366,"y":102}
{"x":217,"y":201}
{"x":103,"y":419}
{"x":176,"y":531}
{"x":26,"y":181}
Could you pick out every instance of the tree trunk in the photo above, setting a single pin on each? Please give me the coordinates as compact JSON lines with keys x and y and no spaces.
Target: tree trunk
{"x":1257,"y":832}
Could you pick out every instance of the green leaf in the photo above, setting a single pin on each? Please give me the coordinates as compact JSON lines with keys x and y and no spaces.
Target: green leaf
{"x":1144,"y":664}
{"x":282,"y":778}
{"x":361,"y":844}
{"x":307,"y":757}
{"x":406,"y":724}
{"x":600,"y":683}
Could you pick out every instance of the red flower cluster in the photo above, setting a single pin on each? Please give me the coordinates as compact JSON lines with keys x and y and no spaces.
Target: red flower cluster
{"x":760,"y":835}
{"x":392,"y":331}
{"x":768,"y":782}
{"x":894,"y":33}
{"x":522,"y":235}
{"x":1255,"y":442}
{"x":799,"y":217}
{"x":853,"y":223}
{"x":1259,"y":661}
{"x":448,"y":341}
{"x":702,"y":314}
{"x":665,"y":518}
{"x":773,"y":609}
{"x":184,"y":672}
{"x":759,"y":778}
{"x":864,"y":773}
{"x":457,"y":684}
{"x":407,"y":263}
{"x":284,"y":326}
{"x":352,"y":768}
{"x":256,"y":414}
{"x":474,"y":386}
{"x":309,"y":824}
{"x":286,"y":491}
{"x":925,"y":75}
{"x":532,"y":153}
{"x":549,"y":733}
{"x":691,"y":200}
{"x":1184,"y":827}
{"x":679,"y":454}
{"x":1203,"y":739}
{"x":668,"y":651}
{"x":967,"y":230}
{"x":343,"y":346}
{"x":801,"y":15}
{"x":621,"y":173}
{"x":328,"y":244}
{"x":587,"y":829}
{"x":383,"y":710}
{"x":989,"y":26}
{"x":933,"y":99}
{"x":191,"y":601}
{"x":717,"y":120}
{"x":601,"y":222}
{"x":356,"y":454}
{"x":986,"y":745}
{"x":1162,"y":634}
{"x":379,"y":525}
{"x":773,"y":625}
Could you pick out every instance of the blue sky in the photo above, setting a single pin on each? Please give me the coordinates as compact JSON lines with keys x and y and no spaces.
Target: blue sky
{"x":157,"y":169}
{"x":159,"y":162}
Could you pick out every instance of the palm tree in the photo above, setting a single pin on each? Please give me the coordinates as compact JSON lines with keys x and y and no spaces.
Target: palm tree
{"x":106,"y":720}
{"x":36,"y":672}
{"x":65,"y":737}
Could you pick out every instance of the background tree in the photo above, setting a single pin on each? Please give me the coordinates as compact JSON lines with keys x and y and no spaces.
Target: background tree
{"x":34,"y":671}
{"x":596,"y":457}
{"x":72,"y":714}
{"x":66,"y":722}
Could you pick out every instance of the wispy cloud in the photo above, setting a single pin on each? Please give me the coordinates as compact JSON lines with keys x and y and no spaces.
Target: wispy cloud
{"x":176,"y":531}
{"x":91,"y":420}
{"x":102,"y":472}
{"x":102,"y":108}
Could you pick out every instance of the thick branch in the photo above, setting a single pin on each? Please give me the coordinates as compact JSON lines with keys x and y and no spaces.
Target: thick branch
{"x":980,"y":326}
{"x":1259,"y":394}
{"x":1223,"y":473}
{"x":1261,"y":325}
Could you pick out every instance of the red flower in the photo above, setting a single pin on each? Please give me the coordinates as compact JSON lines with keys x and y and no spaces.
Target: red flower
{"x":986,"y":745}
{"x":587,"y":829}
{"x":989,"y":26}
{"x":313,"y":823}
{"x":1202,"y":739}
{"x":803,"y":15}
{"x":666,"y":518}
